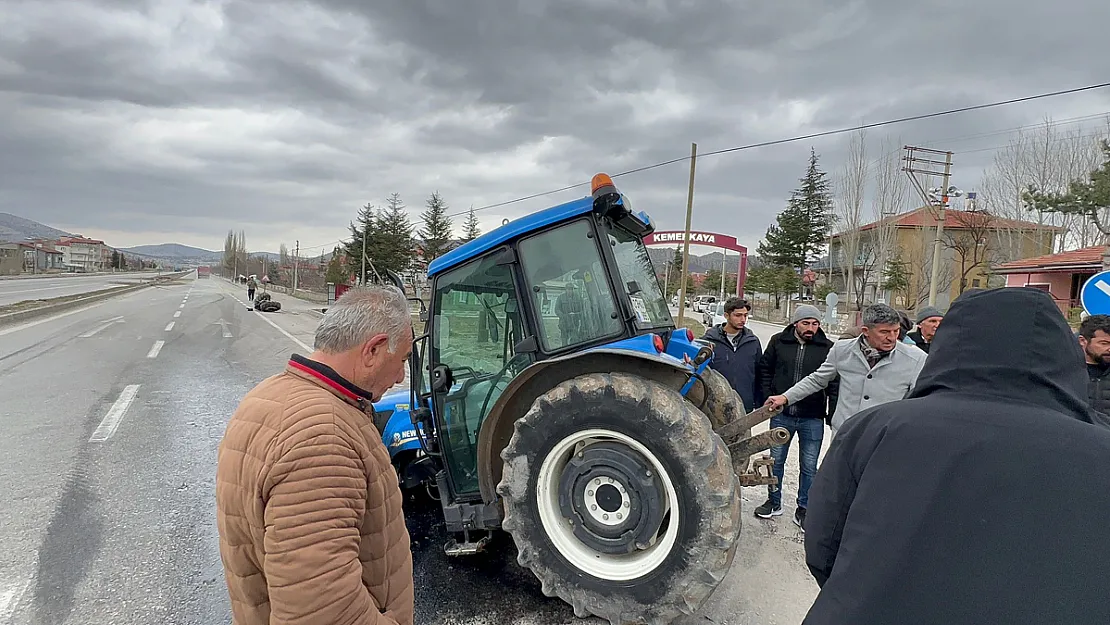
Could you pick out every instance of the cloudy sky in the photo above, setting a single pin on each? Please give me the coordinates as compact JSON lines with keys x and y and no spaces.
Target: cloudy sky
{"x":175,"y":120}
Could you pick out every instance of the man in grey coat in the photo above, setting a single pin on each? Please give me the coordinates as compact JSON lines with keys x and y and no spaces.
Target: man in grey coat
{"x":874,"y":369}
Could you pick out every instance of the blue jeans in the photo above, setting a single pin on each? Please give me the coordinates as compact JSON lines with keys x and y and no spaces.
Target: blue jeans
{"x":810,"y":431}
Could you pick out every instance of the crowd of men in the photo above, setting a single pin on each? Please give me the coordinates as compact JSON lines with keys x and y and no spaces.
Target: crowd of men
{"x":967,"y":464}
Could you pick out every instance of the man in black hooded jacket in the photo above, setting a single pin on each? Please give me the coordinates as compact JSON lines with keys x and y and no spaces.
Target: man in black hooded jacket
{"x":981,"y":497}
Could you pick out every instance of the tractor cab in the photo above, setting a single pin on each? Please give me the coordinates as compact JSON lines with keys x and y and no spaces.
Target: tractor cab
{"x":565,"y":280}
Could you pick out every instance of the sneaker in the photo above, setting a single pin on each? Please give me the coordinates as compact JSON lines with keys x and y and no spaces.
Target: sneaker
{"x":768,"y":510}
{"x":800,"y":518}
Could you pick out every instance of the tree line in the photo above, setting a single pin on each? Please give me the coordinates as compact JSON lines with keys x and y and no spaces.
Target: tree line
{"x":384,"y":238}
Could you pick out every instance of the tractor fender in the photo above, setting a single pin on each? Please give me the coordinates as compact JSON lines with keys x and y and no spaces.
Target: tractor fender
{"x":545,"y":375}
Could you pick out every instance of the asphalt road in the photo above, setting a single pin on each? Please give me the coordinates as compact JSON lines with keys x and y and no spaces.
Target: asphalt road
{"x":111,"y":417}
{"x":13,"y":291}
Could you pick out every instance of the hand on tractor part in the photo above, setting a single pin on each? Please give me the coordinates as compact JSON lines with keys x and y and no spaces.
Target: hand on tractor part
{"x":775,"y":401}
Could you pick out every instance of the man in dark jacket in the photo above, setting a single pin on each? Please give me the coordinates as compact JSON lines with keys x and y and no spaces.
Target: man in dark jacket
{"x":736,"y":350}
{"x":1094,"y":339}
{"x":946,"y":507}
{"x":791,"y":355}
{"x":928,"y":320}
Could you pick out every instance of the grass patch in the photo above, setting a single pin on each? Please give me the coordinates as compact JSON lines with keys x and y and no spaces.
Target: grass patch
{"x":695,"y":326}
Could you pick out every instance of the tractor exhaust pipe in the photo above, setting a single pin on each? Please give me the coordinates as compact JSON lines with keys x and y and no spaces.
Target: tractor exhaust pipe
{"x":748,"y":447}
{"x":737,"y":428}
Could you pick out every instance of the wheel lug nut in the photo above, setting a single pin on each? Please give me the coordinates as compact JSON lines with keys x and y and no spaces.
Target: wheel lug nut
{"x":649,"y":473}
{"x":610,"y":480}
{"x":626,"y":504}
{"x":590,"y":493}
{"x":605,"y":517}
{"x":597,"y":482}
{"x":593,"y":507}
{"x":619,"y":517}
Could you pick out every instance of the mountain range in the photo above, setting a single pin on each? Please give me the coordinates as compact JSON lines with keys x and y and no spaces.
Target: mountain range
{"x":14,"y":229}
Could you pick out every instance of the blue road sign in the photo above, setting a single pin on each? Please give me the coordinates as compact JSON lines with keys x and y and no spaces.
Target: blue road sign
{"x":1095,"y":294}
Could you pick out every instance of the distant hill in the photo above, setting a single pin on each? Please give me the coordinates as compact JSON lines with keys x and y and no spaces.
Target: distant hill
{"x":697,"y":264}
{"x":173,"y":251}
{"x":14,"y":228}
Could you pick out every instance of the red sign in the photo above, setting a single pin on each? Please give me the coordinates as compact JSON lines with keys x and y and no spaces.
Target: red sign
{"x":712,"y":239}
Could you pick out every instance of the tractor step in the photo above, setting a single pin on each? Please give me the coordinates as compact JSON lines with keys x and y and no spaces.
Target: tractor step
{"x":467,"y":547}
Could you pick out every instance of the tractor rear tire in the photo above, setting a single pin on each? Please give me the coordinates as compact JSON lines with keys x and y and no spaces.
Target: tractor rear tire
{"x":621,"y":499}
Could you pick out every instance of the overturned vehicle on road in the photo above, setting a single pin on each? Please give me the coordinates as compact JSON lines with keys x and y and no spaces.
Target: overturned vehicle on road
{"x":553,"y":399}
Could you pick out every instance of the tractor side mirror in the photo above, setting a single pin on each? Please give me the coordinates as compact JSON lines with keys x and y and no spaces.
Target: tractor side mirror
{"x":442,"y":379}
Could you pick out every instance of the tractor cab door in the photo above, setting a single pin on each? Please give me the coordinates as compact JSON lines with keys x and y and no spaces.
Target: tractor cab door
{"x":478,"y":322}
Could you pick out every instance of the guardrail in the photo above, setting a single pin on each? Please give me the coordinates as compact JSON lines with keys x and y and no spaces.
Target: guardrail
{"x":78,"y":301}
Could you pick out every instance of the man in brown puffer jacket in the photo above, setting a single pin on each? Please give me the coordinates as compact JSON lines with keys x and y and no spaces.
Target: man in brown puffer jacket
{"x":308,"y":505}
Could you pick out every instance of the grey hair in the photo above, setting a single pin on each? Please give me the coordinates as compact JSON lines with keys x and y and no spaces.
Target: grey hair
{"x":880,"y":314}
{"x":359,"y":315}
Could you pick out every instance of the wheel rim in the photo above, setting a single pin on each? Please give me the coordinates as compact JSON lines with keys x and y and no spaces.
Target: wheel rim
{"x":585,"y":481}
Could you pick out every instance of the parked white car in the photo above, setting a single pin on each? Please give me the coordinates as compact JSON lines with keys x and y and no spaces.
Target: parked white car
{"x":714,"y":315}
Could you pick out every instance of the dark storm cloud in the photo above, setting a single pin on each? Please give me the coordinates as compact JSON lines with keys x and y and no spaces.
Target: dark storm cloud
{"x":180,"y":119}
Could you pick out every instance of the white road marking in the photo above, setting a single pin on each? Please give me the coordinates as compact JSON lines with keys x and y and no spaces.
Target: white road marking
{"x":223,"y":325}
{"x":106,"y":323}
{"x":153,"y":353}
{"x":32,"y":324}
{"x":169,"y":326}
{"x":277,"y":327}
{"x":177,"y":314}
{"x":181,"y":306}
{"x":1102,"y":286}
{"x":10,"y":598}
{"x":115,"y":414}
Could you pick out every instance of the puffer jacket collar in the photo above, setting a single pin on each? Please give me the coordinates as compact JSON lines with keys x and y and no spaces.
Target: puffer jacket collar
{"x":327,"y":377}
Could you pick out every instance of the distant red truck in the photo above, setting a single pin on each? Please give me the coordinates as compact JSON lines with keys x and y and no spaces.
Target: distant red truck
{"x":204,"y":272}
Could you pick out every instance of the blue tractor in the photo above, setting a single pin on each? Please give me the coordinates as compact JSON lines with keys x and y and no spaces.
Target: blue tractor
{"x":553,"y":398}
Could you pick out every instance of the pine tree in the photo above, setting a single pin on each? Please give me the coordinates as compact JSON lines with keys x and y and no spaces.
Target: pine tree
{"x":802,"y":229}
{"x":336,"y":272}
{"x":394,"y":246}
{"x":437,"y":227}
{"x":364,"y":226}
{"x":471,"y":230}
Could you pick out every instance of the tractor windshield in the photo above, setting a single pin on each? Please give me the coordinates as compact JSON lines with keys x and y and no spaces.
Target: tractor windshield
{"x":638,"y":279}
{"x":566,"y":277}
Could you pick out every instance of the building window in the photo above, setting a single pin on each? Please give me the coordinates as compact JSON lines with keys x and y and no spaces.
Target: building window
{"x":975,"y":283}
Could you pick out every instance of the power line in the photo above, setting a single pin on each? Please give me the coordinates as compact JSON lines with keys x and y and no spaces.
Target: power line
{"x":815,"y":135}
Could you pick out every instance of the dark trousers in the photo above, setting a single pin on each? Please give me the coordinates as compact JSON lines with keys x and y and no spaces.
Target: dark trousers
{"x":809,"y":432}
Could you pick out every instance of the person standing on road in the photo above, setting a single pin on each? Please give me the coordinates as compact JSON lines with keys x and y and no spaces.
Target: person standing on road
{"x":874,"y":369}
{"x":736,"y":350}
{"x":928,"y":320}
{"x":1094,"y":339}
{"x":946,"y":507}
{"x":791,"y":355}
{"x":251,"y":286}
{"x":308,"y":505}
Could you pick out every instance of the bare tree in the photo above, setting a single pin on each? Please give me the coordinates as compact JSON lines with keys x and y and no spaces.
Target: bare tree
{"x":888,"y":201}
{"x":851,"y":187}
{"x":1047,"y":159}
{"x":969,"y":241}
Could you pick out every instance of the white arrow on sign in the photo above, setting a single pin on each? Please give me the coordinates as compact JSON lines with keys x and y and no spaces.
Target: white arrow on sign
{"x":223,"y":325}
{"x":1102,"y":286}
{"x":104,"y":324}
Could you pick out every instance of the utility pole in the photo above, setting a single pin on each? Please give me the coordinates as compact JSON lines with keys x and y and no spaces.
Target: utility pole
{"x":724,"y":272}
{"x":918,"y":165}
{"x":686,"y":240}
{"x":296,"y":260}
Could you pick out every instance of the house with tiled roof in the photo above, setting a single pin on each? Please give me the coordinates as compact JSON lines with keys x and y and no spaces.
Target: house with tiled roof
{"x":971,"y":242}
{"x":1060,"y":275}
